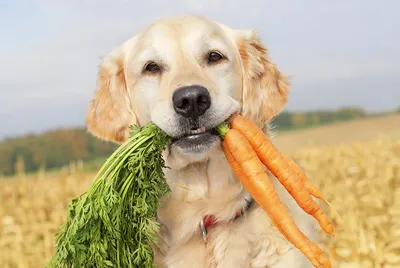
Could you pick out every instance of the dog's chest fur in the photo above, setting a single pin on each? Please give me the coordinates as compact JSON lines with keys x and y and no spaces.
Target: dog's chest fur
{"x":211,"y":188}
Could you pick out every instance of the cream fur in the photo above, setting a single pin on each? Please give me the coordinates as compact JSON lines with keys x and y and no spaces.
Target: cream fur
{"x":248,"y":82}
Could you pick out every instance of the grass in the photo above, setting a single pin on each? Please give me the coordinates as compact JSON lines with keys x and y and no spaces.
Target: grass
{"x":362,"y":182}
{"x":32,"y":209}
{"x":357,"y":165}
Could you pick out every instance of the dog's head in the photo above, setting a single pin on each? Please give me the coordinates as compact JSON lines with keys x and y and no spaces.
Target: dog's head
{"x":186,"y":74}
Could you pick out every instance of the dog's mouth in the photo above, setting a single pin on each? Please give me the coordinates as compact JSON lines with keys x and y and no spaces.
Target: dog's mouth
{"x":197,"y":139}
{"x":195,"y":133}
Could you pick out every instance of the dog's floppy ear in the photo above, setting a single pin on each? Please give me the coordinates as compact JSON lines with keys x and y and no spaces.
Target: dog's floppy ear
{"x":265,"y":88}
{"x":110,"y":113}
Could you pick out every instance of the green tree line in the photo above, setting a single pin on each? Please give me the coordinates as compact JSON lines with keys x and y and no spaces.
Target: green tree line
{"x":51,"y":149}
{"x":297,"y":120}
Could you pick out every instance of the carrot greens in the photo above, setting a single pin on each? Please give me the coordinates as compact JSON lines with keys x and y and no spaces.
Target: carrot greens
{"x":114,"y":223}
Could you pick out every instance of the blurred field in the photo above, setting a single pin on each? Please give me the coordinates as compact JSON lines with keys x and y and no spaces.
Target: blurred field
{"x":361,"y":179}
{"x":343,"y":132}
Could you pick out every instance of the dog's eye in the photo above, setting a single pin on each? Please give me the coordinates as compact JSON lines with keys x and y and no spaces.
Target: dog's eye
{"x":152,"y":67}
{"x":214,"y":57}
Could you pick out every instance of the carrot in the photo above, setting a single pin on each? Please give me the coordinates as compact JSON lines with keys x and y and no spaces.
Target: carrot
{"x":320,"y":255}
{"x":249,"y":129}
{"x":250,"y":171}
{"x":285,"y":170}
{"x":311,"y":188}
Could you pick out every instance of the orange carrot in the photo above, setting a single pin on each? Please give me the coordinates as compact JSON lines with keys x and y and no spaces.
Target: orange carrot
{"x":285,"y":170}
{"x":249,"y":129}
{"x":323,"y":260}
{"x":250,"y":171}
{"x":311,"y":188}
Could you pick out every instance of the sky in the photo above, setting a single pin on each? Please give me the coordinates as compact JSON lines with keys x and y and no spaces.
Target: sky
{"x":338,"y":53}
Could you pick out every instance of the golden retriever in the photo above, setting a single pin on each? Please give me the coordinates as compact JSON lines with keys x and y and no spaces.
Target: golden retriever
{"x":187,"y":74}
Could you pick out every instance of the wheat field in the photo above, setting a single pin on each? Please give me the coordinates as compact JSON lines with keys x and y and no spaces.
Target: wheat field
{"x":360,"y":177}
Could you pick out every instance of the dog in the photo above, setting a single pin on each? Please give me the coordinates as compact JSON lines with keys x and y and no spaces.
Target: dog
{"x":187,"y":74}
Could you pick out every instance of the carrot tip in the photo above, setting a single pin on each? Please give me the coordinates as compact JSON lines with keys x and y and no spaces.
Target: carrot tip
{"x":329,"y":230}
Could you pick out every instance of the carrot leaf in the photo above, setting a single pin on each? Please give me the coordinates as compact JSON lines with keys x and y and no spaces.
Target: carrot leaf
{"x":222,"y":129}
{"x":114,"y":223}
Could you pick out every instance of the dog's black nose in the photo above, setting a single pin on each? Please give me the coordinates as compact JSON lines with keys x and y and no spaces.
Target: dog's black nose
{"x":191,"y":101}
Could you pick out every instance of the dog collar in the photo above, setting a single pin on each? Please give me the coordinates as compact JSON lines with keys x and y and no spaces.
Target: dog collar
{"x":210,"y":220}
